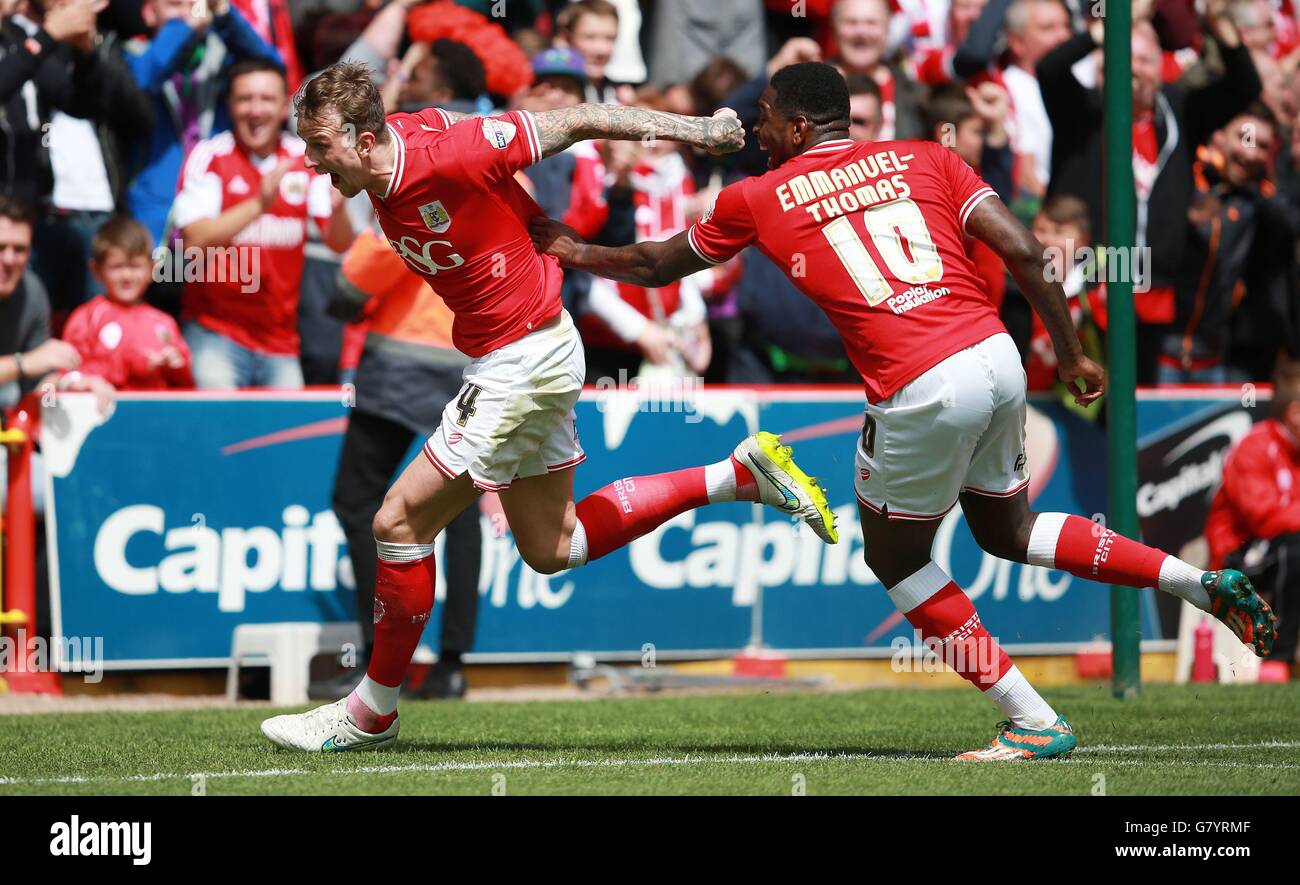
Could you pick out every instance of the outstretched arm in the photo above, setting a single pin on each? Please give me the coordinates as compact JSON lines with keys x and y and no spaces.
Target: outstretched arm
{"x":719,"y":134}
{"x":557,"y":130}
{"x":1026,"y":259}
{"x":650,"y":264}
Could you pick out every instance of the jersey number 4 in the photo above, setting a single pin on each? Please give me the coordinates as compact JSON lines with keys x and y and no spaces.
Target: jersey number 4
{"x":465,"y":405}
{"x":899,"y":233}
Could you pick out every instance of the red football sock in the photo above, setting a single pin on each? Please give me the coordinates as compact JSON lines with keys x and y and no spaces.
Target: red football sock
{"x":746,"y":487}
{"x":626,"y":509}
{"x":949,"y":617}
{"x":1089,"y":550}
{"x":403,"y":603}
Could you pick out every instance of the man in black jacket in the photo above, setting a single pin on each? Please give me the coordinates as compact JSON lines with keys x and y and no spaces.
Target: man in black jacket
{"x":1238,"y":246}
{"x":88,"y":159}
{"x":58,"y":59}
{"x":1169,"y":123}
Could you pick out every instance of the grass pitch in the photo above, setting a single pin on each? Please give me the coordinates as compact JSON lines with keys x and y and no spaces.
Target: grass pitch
{"x":1174,"y":740}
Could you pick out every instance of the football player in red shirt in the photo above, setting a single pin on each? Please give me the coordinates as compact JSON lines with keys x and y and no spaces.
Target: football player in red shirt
{"x":873,"y":232}
{"x":444,"y":190}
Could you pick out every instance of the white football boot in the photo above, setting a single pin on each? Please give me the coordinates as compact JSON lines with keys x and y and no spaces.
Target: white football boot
{"x":781,"y":484}
{"x":327,"y":729}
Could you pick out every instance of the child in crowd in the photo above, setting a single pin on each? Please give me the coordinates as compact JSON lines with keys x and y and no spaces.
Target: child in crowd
{"x":131,"y":344}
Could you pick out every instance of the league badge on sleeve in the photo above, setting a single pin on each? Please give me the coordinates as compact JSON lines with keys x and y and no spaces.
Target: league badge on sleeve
{"x":498,"y":133}
{"x":436,"y":217}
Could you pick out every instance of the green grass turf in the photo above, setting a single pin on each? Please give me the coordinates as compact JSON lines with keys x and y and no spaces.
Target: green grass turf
{"x":1174,"y":740}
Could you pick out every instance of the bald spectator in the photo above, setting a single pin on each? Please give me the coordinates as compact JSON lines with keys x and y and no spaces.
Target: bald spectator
{"x":1034,"y":28}
{"x":1255,"y":24}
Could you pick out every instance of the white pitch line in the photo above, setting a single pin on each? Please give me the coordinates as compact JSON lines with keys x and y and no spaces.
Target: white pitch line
{"x":520,"y":764}
{"x":1163,"y":748}
{"x":1179,"y":764}
{"x":507,"y":765}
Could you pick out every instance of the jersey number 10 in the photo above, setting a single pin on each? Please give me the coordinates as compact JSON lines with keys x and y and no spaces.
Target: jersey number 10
{"x":899,"y":233}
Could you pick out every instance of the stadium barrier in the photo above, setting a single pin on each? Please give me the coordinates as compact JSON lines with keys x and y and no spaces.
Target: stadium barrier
{"x":186,"y":515}
{"x":18,"y":598}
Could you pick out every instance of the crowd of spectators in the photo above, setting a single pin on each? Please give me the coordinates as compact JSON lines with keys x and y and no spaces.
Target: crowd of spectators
{"x":159,"y":133}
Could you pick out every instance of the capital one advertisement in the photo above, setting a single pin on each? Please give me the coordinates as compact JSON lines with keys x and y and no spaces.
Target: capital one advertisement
{"x":181,"y":517}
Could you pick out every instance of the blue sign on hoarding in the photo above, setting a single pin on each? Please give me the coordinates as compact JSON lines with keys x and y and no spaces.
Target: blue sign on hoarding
{"x":185,"y":516}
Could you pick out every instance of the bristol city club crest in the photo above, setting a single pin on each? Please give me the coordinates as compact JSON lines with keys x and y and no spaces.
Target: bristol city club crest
{"x":436,"y":217}
{"x":293,"y":187}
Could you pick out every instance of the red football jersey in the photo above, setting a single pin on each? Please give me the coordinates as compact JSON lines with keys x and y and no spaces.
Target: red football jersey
{"x":249,"y":295}
{"x":458,"y":217}
{"x":116,"y":342}
{"x":873,"y":233}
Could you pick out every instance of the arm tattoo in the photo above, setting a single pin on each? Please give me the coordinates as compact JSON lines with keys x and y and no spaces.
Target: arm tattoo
{"x":560,"y":128}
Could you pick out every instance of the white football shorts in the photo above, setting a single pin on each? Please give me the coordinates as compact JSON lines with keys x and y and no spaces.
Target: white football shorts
{"x":959,"y":427}
{"x":513,"y":418}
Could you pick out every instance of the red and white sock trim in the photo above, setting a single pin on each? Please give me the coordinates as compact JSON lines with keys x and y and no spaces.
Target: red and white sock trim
{"x":390,"y":552}
{"x":1043,"y":537}
{"x":720,"y":481}
{"x":1184,"y":581}
{"x":916,"y":588}
{"x":578,"y":545}
{"x":382,"y":699}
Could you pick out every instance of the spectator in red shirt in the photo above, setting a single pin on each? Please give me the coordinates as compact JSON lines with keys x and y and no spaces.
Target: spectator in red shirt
{"x":131,"y":344}
{"x":242,"y":209}
{"x":1254,"y":521}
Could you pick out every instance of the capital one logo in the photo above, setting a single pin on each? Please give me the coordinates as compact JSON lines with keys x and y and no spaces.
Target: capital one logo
{"x":419,"y":257}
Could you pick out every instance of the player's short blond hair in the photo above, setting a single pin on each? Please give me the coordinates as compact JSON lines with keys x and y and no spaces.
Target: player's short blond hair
{"x":347,"y":88}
